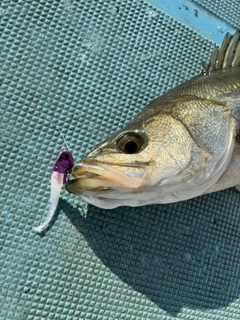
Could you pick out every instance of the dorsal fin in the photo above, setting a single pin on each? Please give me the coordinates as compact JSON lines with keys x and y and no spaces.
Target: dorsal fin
{"x":228,"y":55}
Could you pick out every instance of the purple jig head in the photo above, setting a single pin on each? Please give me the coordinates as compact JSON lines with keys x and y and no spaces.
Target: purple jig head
{"x":64,"y":164}
{"x":62,"y":167}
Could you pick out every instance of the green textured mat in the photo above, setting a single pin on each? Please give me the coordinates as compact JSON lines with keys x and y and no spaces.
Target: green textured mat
{"x":85,"y":68}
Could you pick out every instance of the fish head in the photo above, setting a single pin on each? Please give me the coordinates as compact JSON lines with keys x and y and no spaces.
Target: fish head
{"x":154,"y":159}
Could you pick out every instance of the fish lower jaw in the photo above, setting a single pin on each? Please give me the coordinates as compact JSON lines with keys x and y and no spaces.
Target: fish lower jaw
{"x":108,"y":203}
{"x":93,"y":175}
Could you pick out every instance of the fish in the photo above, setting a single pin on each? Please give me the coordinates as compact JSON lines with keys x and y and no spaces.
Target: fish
{"x":182,"y":145}
{"x":61,"y":168}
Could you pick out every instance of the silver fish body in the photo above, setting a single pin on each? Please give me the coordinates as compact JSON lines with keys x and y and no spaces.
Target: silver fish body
{"x":182,"y":145}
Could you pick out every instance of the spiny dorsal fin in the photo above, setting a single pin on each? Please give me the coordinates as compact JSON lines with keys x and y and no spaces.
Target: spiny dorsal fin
{"x":228,"y":55}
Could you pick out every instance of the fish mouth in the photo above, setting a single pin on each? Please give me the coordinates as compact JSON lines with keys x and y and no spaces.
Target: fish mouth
{"x":97,"y":176}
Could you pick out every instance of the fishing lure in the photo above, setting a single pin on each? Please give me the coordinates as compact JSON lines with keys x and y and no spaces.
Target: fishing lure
{"x":62,"y":167}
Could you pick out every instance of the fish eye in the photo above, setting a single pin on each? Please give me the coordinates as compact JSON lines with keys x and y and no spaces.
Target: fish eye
{"x":130,"y":143}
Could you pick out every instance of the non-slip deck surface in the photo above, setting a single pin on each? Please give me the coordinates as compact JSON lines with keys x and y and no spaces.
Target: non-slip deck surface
{"x":82,"y":69}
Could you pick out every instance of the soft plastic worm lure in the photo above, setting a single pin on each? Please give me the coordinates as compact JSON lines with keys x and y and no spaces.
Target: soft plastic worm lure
{"x":62,"y":167}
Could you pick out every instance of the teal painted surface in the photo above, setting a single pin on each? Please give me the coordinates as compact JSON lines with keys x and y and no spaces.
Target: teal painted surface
{"x":195,"y":15}
{"x":85,"y":68}
{"x":226,"y":11}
